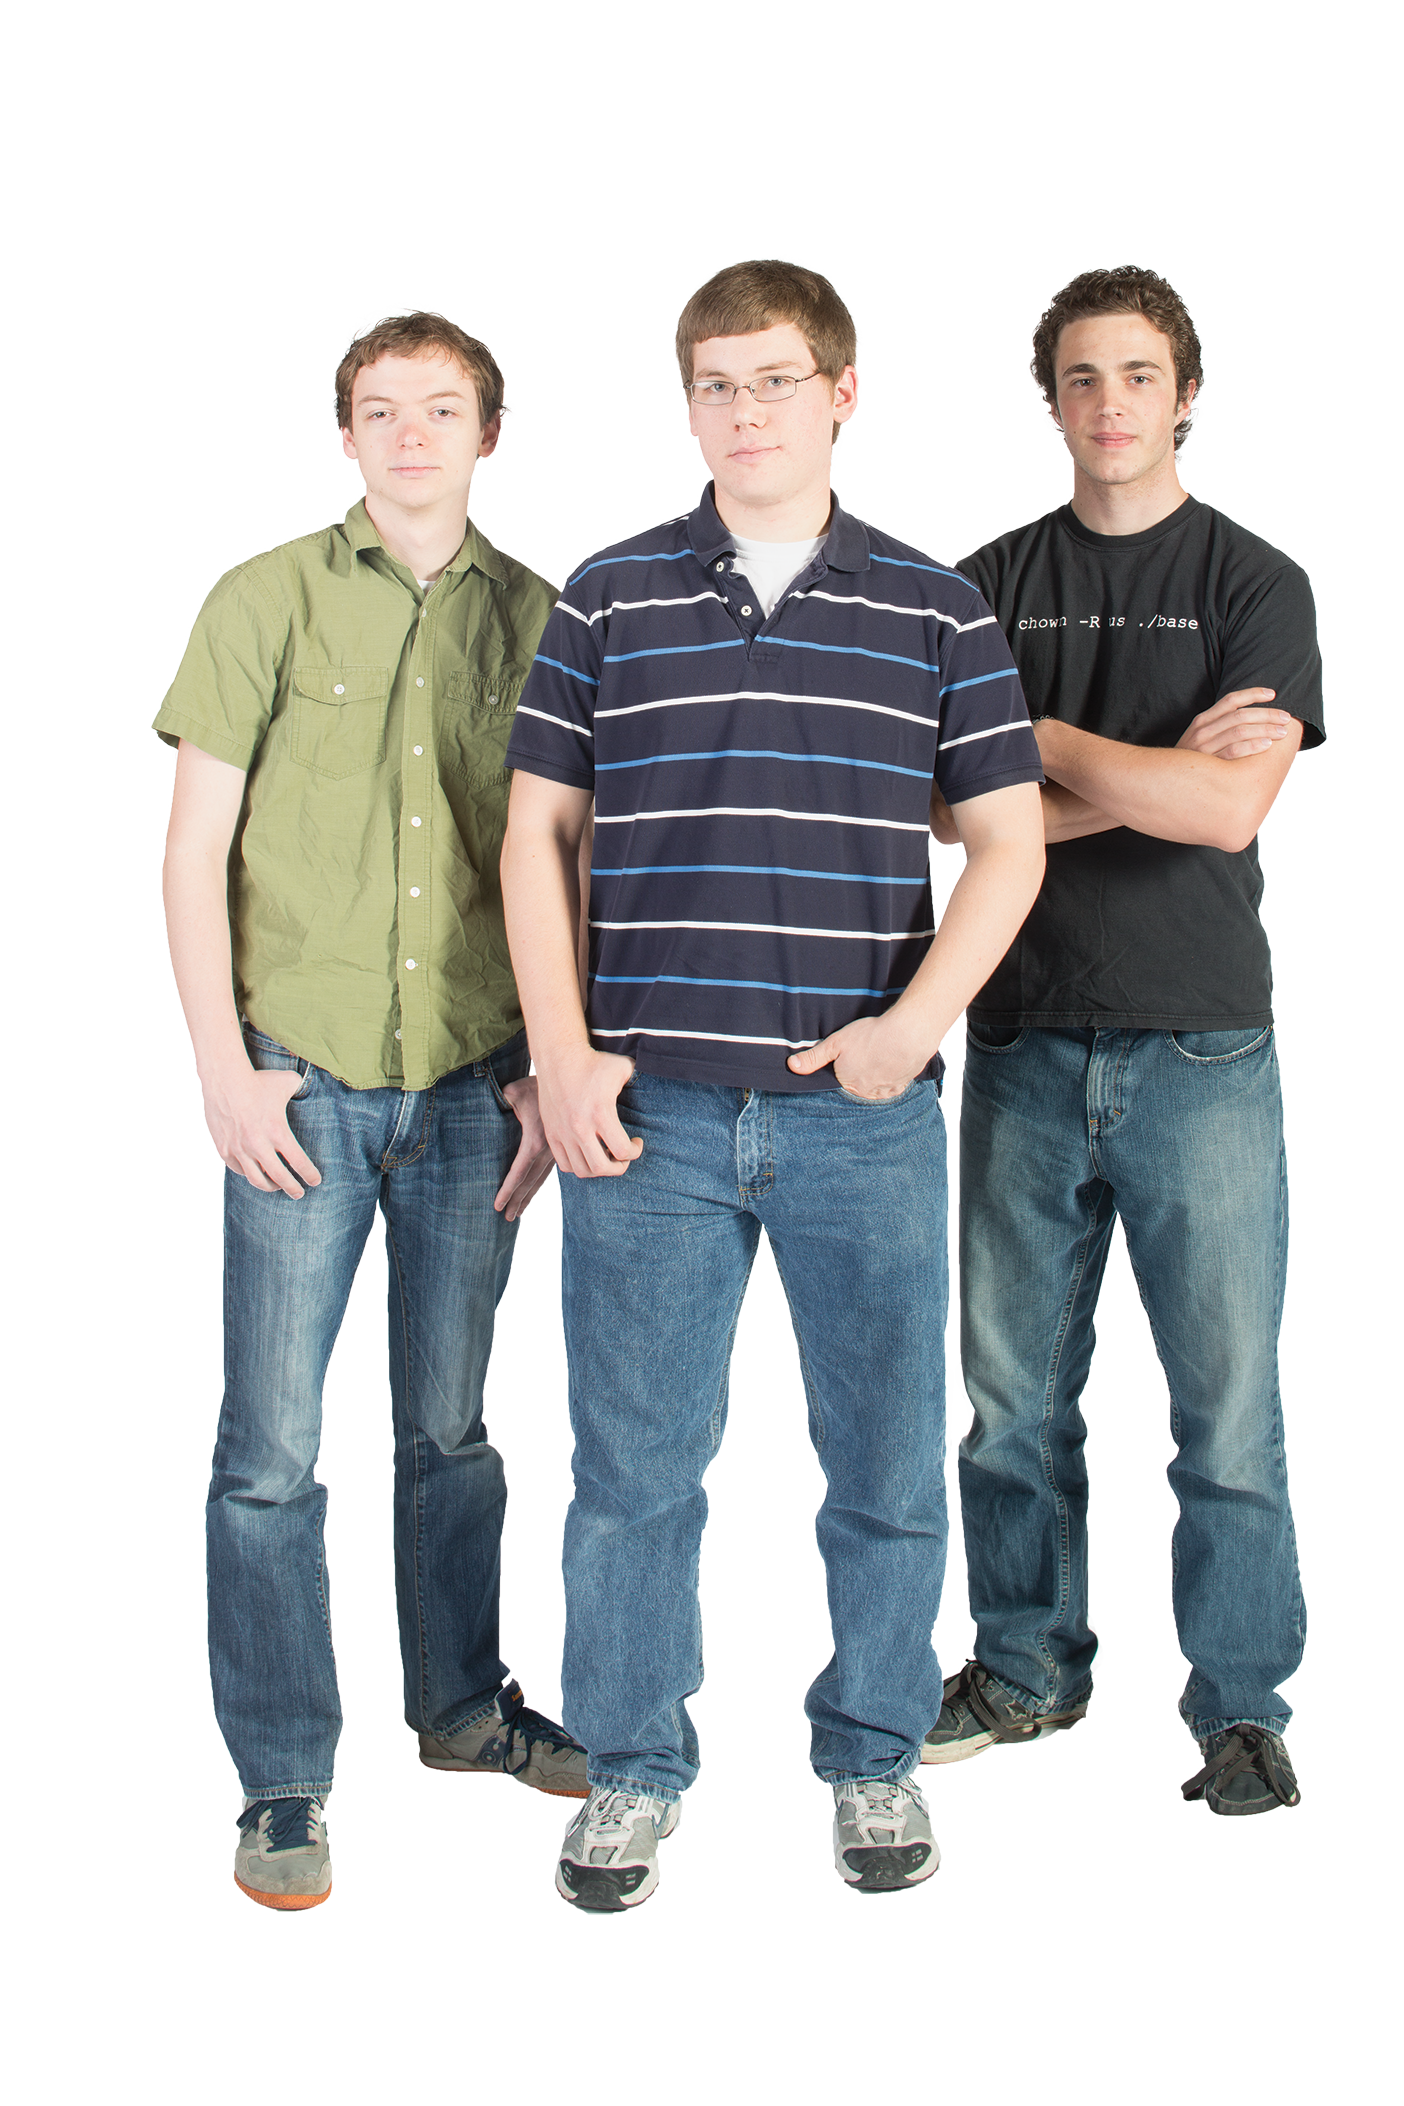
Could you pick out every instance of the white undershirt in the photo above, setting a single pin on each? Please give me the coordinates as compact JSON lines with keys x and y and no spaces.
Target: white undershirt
{"x":772,"y":565}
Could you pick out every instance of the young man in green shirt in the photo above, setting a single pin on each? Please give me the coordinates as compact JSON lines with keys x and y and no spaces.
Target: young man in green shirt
{"x":335,"y":917}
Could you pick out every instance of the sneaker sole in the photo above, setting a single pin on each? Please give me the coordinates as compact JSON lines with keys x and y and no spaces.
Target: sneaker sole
{"x":976,"y":1744}
{"x":604,"y":1890}
{"x":888,"y":1870}
{"x":283,"y":1901}
{"x":471,"y":1769}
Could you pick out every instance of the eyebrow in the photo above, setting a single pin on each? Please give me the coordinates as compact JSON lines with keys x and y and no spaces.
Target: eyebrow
{"x":1127,"y":365}
{"x":777,"y":365}
{"x":440,"y":395}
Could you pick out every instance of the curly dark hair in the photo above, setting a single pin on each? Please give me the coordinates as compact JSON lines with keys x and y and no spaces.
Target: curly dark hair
{"x":420,"y":335}
{"x":1125,"y":290}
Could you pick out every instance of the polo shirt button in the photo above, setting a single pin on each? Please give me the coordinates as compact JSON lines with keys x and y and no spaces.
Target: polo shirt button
{"x":409,"y":965}
{"x":420,"y":681}
{"x":414,"y":892}
{"x":338,"y":689}
{"x":419,"y":749}
{"x":745,"y":610}
{"x":721,"y":566}
{"x":416,"y":822}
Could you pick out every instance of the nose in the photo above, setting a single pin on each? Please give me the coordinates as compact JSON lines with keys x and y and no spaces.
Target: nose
{"x":746,"y":409}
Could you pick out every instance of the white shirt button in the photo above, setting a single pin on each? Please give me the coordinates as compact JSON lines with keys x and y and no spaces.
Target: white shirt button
{"x":420,"y":681}
{"x":492,"y":701}
{"x":416,"y":822}
{"x":419,"y":749}
{"x":338,"y":689}
{"x":409,"y":965}
{"x":414,"y":892}
{"x":745,"y":610}
{"x":397,"y":1034}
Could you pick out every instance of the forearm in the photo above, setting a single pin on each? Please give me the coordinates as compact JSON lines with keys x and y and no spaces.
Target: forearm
{"x":541,"y":893}
{"x":195,"y":884}
{"x":987,"y":908}
{"x":1068,"y":817}
{"x":1172,"y":794}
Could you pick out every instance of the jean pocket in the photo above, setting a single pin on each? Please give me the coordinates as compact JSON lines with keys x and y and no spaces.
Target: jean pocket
{"x":268,"y":1056}
{"x":879,"y":1103}
{"x":1211,"y":1049}
{"x":994,"y":1038}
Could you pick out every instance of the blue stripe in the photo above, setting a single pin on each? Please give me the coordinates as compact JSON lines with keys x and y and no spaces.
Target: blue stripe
{"x":792,"y":643}
{"x":770,"y":986}
{"x":542,"y":659}
{"x":936,"y":569}
{"x":1008,"y":673}
{"x":606,"y":560}
{"x":839,"y":760}
{"x":733,"y":643}
{"x":836,"y":877}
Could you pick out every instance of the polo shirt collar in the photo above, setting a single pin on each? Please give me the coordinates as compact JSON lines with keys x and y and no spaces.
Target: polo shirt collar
{"x":475,"y":551}
{"x":845,"y":549}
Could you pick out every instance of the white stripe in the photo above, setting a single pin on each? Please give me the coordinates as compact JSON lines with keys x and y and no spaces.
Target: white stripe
{"x":546,"y":718}
{"x":762,"y":811}
{"x":996,"y":731}
{"x":630,"y":606}
{"x":774,"y":928}
{"x":748,"y":694}
{"x":854,"y":599}
{"x":729,"y":1038}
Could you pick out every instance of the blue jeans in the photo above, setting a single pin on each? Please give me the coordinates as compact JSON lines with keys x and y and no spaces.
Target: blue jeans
{"x":655,"y":1263}
{"x":431,"y":1160}
{"x":1181,"y":1134}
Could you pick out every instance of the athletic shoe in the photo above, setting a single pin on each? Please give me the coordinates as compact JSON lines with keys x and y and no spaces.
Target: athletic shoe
{"x":882,"y":1835}
{"x":282,"y":1860}
{"x":513,"y":1741}
{"x":609,"y":1859}
{"x":976,"y":1711}
{"x":1246,"y":1770}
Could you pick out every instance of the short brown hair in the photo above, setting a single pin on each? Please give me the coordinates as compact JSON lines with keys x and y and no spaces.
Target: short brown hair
{"x":1125,"y":290}
{"x":420,"y":335}
{"x":745,"y":298}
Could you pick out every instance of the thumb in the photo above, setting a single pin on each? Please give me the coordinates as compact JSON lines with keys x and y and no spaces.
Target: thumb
{"x":815,"y":1057}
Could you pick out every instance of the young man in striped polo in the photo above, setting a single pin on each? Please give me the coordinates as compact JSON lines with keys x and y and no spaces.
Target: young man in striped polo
{"x":761,"y":698}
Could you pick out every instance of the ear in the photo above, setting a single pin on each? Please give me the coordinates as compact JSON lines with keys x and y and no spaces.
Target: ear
{"x":348,"y":445}
{"x":492,"y":432}
{"x":845,"y":395}
{"x":1191,"y":390}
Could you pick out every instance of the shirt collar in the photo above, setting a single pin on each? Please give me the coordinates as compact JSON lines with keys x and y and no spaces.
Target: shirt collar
{"x":475,"y":551}
{"x":845,"y":549}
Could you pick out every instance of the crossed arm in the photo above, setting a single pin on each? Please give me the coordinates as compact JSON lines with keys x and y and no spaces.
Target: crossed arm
{"x":875,"y":1057}
{"x":1213,"y":789}
{"x":246,"y":1107}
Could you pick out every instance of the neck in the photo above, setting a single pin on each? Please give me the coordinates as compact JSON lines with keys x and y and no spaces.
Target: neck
{"x":1127,"y":508}
{"x":800,"y":518}
{"x":423,"y":541}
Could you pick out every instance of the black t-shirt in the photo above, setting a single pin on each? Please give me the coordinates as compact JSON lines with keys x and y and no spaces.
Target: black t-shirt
{"x":1130,"y":636}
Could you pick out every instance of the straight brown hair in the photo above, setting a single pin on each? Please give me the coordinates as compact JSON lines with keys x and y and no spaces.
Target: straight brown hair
{"x":420,"y":335}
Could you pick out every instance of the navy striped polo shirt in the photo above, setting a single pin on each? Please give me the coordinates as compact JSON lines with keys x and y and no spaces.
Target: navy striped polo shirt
{"x":762,"y":785}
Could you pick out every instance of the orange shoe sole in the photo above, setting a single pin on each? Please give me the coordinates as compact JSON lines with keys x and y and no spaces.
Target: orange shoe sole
{"x":281,"y":1901}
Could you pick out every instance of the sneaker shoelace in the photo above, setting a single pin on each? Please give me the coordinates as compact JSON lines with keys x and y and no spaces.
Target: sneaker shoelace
{"x":970,"y":1690}
{"x":882,"y":1802}
{"x":611,"y":1819}
{"x":1246,"y":1748}
{"x":292,"y":1823}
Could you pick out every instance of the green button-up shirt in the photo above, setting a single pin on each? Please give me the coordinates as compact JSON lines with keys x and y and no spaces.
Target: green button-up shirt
{"x":372,"y":717}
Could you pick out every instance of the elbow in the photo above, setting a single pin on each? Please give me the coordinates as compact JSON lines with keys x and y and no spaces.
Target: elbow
{"x":1235,"y":832}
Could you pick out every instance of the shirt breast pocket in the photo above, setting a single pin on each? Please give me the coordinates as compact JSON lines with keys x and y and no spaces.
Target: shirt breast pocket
{"x":479,"y":710}
{"x":338,"y":717}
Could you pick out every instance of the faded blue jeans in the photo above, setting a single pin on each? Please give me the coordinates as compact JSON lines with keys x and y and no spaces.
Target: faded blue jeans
{"x":431,"y":1160}
{"x":852,"y":1195}
{"x":1180,"y":1133}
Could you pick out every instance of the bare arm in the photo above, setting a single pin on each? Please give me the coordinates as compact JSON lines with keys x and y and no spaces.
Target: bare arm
{"x":1213,"y":789}
{"x":542,"y":860}
{"x":245,"y":1109}
{"x":1002,"y":834}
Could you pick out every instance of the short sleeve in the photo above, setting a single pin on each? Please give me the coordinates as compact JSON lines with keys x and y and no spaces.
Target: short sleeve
{"x":1271,"y":642}
{"x":554,"y":732}
{"x":986,"y":741}
{"x":222,"y":697}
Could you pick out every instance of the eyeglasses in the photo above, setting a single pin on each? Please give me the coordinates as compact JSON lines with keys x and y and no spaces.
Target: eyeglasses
{"x":771,"y":387}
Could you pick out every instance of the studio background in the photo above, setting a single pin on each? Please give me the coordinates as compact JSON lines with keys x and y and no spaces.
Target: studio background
{"x":950,"y":445}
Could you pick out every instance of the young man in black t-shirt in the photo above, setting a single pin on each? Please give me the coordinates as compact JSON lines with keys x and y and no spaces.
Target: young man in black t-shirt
{"x":1120,"y":1059}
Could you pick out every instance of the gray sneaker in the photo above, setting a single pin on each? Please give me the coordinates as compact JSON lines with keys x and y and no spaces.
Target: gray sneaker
{"x":882,"y":1835}
{"x":1247,"y":1770}
{"x":513,"y":1741}
{"x":609,"y":1859}
{"x":282,"y":1860}
{"x":977,"y":1711}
